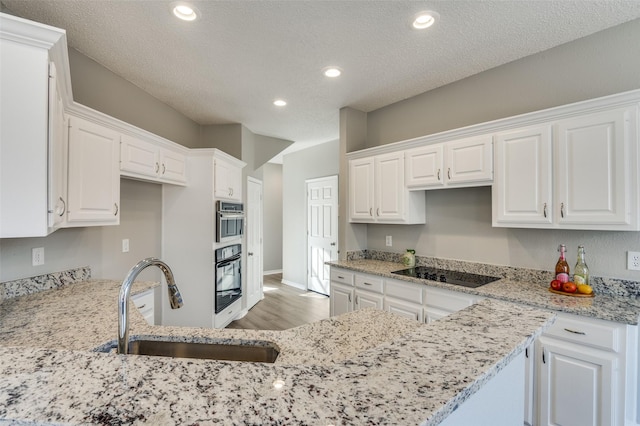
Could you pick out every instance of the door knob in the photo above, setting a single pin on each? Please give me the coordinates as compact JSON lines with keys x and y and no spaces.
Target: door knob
{"x":333,"y":244}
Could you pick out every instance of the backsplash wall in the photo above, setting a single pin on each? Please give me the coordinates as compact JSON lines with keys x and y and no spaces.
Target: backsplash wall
{"x":459,"y":227}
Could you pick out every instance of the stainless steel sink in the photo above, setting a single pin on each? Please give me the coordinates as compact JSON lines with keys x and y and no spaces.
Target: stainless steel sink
{"x":255,"y":351}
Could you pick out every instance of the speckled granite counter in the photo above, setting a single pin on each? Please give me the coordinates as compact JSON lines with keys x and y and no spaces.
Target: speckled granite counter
{"x":625,"y":310}
{"x":365,"y":367}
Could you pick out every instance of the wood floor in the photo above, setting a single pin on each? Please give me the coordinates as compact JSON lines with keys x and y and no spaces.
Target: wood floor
{"x":283,"y":307}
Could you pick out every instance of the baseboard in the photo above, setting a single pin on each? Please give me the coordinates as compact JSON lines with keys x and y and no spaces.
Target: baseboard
{"x":294,"y":284}
{"x":275,"y":271}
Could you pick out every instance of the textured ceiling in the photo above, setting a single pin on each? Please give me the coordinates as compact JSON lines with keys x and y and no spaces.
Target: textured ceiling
{"x":229,"y":65}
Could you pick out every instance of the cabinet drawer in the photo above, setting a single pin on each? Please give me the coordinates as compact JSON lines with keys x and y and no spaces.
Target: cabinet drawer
{"x":369,"y":283}
{"x":447,"y":300}
{"x":341,"y":276}
{"x":406,"y":291}
{"x":400,"y":307}
{"x":143,"y":301}
{"x":597,"y":334}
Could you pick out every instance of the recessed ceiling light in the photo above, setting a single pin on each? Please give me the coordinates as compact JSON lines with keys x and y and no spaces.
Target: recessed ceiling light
{"x":425,"y":20}
{"x":279,"y":102}
{"x":332,"y":72}
{"x":184,"y":11}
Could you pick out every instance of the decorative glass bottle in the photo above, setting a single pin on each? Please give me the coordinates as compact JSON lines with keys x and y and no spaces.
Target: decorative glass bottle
{"x":409,"y":258}
{"x":562,"y":267}
{"x":581,"y":271}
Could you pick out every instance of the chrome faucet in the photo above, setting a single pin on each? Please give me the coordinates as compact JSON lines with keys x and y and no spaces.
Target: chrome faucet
{"x":175,"y":298}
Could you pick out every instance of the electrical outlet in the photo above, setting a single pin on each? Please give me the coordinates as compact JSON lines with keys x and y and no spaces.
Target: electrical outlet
{"x":633,"y":260}
{"x":389,"y":241}
{"x":125,"y":245}
{"x":37,"y":256}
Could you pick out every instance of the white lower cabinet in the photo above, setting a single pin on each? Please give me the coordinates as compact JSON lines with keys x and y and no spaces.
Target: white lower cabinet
{"x":587,"y":373}
{"x":403,"y":308}
{"x":145,"y":303}
{"x":438,"y":303}
{"x":341,"y":292}
{"x":369,"y":292}
{"x":404,"y":299}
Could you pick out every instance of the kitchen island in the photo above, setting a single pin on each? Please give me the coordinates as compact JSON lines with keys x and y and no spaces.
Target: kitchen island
{"x":365,"y":367}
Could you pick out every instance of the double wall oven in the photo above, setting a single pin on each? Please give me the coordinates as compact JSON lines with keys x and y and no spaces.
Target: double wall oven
{"x":228,"y":276}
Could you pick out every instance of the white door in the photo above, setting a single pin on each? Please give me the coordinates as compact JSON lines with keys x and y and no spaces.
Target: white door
{"x":322,"y":231}
{"x":254,"y":242}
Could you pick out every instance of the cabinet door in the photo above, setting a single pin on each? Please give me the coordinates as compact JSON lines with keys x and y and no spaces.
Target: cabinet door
{"x":530,"y":412}
{"x":173,"y":166}
{"x":576,"y":385}
{"x":522,"y":187}
{"x":341,"y":300}
{"x":404,"y":309}
{"x":595,"y":182}
{"x":139,"y":157}
{"x":366,"y":299}
{"x":57,"y":191}
{"x":389,"y":185}
{"x":470,"y":161}
{"x":424,"y":167}
{"x":361,"y":190}
{"x":227,"y":181}
{"x":94,"y":175}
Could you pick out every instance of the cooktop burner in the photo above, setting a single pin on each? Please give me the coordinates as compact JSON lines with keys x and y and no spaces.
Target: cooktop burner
{"x":450,"y":277}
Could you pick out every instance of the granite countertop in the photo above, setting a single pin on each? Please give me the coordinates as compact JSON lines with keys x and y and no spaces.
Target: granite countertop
{"x":625,"y":310}
{"x":364,"y":367}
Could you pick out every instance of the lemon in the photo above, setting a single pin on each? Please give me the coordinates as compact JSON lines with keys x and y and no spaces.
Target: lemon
{"x":585,"y":289}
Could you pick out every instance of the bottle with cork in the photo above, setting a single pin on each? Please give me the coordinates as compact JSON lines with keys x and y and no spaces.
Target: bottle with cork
{"x":562,"y":267}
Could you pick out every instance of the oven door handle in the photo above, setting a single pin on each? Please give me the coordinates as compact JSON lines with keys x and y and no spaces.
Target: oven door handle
{"x":229,"y":215}
{"x":228,"y":261}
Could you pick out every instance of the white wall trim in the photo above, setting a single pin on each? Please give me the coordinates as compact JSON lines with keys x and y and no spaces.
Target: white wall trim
{"x":294,"y":284}
{"x":275,"y":271}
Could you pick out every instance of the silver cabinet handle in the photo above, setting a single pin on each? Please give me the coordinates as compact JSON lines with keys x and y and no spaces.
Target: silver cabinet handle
{"x":142,"y":306}
{"x":366,"y":283}
{"x":349,"y":297}
{"x":333,"y":244}
{"x":163,"y":168}
{"x":59,"y":211}
{"x":157,"y":167}
{"x":449,"y":172}
{"x":438,"y":174}
{"x":370,"y":211}
{"x":117,"y":209}
{"x":582,"y":333}
{"x":562,"y":209}
{"x":250,"y":254}
{"x":544,"y":209}
{"x":378,"y":211}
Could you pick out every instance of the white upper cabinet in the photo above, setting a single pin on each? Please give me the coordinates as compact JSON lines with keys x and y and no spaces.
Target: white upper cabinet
{"x":227,"y":180}
{"x":576,"y":173}
{"x":596,"y":183}
{"x":94,"y":175}
{"x":460,"y":163}
{"x":32,"y":186}
{"x":522,"y":191}
{"x":149,"y":161}
{"x":377,"y":192}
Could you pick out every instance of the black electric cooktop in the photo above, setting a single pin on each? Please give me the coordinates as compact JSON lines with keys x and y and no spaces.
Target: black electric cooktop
{"x":463,"y":279}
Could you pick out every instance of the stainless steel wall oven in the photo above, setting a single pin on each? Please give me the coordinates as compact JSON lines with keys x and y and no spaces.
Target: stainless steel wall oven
{"x":229,"y":221}
{"x":228,"y":276}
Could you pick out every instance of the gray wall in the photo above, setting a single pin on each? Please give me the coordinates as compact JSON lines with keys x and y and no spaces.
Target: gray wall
{"x":272,"y":229}
{"x":459,"y":220}
{"x":97,"y":247}
{"x":317,"y":161}
{"x":96,"y":87}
